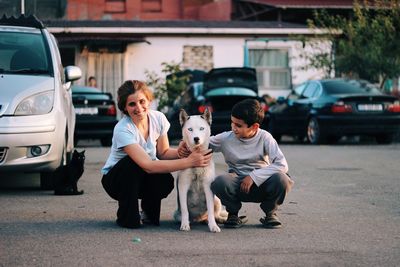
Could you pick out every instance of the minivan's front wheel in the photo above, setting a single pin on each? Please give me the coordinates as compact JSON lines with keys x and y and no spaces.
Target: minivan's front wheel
{"x":47,"y":178}
{"x":46,"y":181}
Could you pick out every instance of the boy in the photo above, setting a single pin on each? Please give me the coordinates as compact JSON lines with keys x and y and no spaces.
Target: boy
{"x":257,"y":167}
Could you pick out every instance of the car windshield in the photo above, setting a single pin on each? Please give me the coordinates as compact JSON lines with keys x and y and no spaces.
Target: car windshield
{"x":369,"y":87}
{"x":231,"y":91}
{"x":23,"y":53}
{"x":89,"y":93}
{"x":345,"y":87}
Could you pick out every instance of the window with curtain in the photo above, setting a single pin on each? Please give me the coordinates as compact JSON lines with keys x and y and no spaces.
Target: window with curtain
{"x":272,"y":67}
{"x":107,"y":67}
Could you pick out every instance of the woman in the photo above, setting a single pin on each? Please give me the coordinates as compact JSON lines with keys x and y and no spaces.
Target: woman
{"x":141,"y":160}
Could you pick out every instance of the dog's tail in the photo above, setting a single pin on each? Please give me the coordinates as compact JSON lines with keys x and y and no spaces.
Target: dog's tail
{"x":223,"y":213}
{"x":221,"y":216}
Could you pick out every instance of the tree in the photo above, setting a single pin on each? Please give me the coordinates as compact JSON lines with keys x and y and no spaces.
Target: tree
{"x":365,"y":46}
{"x":168,"y":87}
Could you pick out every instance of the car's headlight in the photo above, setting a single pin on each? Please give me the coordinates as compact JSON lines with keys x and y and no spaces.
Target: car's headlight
{"x":36,"y":105}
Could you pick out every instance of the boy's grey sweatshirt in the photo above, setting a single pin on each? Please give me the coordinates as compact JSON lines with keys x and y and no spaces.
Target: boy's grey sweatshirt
{"x":258,"y":156}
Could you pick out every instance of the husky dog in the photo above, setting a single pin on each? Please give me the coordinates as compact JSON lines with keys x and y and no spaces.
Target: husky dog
{"x":196,"y":201}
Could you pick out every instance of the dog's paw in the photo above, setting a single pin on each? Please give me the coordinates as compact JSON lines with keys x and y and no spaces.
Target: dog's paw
{"x":214,"y":228}
{"x":185,"y":227}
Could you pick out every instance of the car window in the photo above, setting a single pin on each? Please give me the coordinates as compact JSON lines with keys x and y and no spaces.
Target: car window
{"x":89,"y":93}
{"x":310,"y":90}
{"x":296,"y":93}
{"x":197,"y":89}
{"x":344,"y":87}
{"x":231,"y":91}
{"x":318,"y":91}
{"x":299,"y":89}
{"x":369,"y":87}
{"x":23,"y":52}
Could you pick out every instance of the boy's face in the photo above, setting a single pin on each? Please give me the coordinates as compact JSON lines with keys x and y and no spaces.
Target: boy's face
{"x":241,"y":129}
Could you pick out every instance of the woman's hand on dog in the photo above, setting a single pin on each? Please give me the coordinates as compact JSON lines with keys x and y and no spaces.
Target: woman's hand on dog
{"x":183,"y":150}
{"x":200,"y":158}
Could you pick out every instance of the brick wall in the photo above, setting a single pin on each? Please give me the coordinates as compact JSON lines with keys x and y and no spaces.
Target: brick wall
{"x":198,"y":57}
{"x":144,"y":9}
{"x":124,"y":9}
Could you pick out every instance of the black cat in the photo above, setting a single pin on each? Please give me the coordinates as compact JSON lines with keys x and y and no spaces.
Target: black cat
{"x":66,"y":177}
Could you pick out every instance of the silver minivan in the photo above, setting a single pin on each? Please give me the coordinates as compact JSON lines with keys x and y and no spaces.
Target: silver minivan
{"x":37,"y":117}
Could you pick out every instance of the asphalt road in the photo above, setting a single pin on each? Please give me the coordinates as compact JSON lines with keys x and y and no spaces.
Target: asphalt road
{"x":344,"y":210}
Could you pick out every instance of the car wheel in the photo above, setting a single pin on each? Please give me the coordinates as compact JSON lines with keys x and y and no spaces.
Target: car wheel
{"x":384,"y":138}
{"x":300,"y":138}
{"x":333,"y":139}
{"x":106,"y":141}
{"x":46,"y":181}
{"x":271,"y":128}
{"x":314,"y":134}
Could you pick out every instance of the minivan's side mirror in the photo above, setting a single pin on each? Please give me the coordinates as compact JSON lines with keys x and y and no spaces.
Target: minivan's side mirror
{"x":72,"y":73}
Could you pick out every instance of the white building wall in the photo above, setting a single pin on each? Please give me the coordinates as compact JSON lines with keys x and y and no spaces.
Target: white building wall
{"x":227,"y":52}
{"x":297,"y":62}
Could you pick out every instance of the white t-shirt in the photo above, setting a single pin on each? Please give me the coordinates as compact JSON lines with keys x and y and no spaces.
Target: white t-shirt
{"x":126,"y":133}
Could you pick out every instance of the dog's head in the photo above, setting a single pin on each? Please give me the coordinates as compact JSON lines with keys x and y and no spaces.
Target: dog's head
{"x":196,"y":129}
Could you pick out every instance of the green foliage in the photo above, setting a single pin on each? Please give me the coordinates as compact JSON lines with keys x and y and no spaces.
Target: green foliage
{"x":365,"y":46}
{"x":168,"y":87}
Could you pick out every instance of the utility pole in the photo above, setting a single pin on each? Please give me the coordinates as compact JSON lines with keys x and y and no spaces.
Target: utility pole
{"x":22,"y":7}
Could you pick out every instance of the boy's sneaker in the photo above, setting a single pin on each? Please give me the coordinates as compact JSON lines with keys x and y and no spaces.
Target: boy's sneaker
{"x":271,"y":221}
{"x":235,"y":221}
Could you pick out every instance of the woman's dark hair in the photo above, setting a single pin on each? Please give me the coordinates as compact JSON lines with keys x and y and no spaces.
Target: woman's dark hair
{"x":248,"y":110}
{"x":131,"y":87}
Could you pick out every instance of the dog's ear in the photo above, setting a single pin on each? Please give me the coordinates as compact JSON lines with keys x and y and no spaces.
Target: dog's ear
{"x":207,"y":116}
{"x":183,"y":117}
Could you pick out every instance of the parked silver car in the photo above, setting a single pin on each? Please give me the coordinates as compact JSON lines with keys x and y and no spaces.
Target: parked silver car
{"x":37,"y":117}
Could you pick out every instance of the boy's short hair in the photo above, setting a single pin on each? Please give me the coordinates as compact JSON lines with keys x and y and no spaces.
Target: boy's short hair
{"x":248,"y":110}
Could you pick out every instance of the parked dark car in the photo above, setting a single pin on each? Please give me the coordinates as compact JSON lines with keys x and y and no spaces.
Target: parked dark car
{"x":96,"y":114}
{"x":325,"y":110}
{"x":219,"y":91}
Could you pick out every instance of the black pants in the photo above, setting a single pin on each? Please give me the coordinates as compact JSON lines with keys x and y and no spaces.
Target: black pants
{"x":270,"y":194}
{"x":127,"y":182}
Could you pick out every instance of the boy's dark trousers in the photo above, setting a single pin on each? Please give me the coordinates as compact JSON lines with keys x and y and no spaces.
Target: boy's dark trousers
{"x":270,"y":194}
{"x":127,"y":182}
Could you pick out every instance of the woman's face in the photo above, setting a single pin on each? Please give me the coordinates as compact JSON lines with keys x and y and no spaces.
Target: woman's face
{"x":137,"y":106}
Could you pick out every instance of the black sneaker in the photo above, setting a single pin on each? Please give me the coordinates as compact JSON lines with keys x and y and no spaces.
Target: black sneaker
{"x":235,"y":221}
{"x":271,"y":221}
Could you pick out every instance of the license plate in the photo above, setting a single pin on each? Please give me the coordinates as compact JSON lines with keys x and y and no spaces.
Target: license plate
{"x":86,"y":111}
{"x":370,"y":107}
